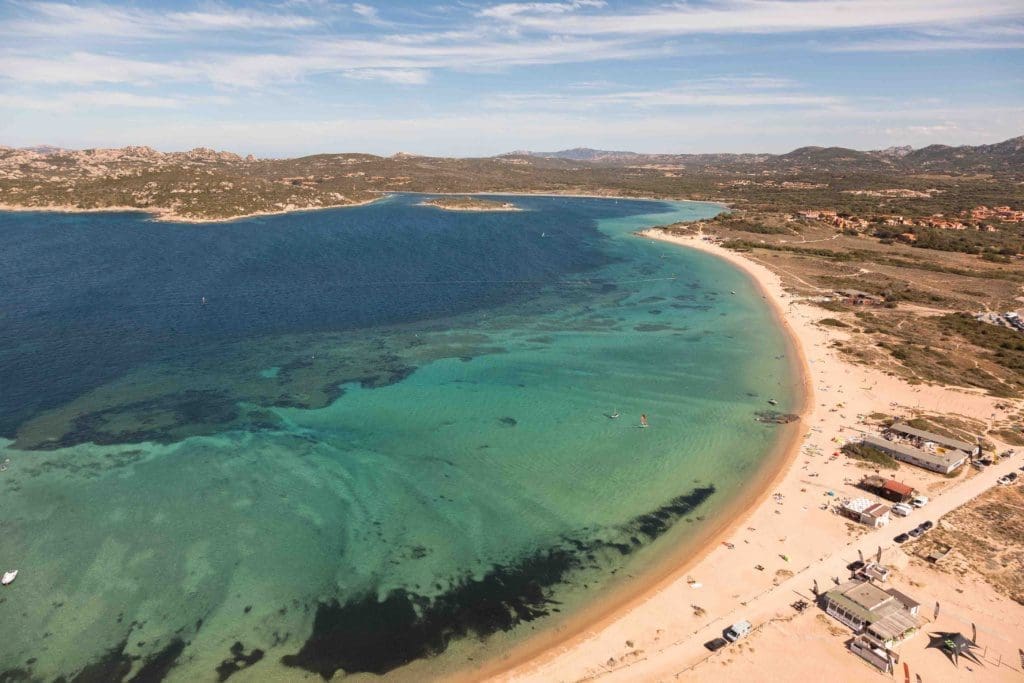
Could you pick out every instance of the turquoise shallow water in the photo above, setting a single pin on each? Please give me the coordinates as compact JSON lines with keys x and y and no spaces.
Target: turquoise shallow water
{"x":334,"y":467}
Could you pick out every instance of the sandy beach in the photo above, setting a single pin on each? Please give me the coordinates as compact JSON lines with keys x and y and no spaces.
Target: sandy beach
{"x":771,"y":552}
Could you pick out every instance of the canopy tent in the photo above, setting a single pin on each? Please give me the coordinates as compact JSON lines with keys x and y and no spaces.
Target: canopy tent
{"x":954,"y":645}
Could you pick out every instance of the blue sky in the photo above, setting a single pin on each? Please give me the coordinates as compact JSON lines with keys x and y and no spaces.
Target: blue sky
{"x":468,"y":78}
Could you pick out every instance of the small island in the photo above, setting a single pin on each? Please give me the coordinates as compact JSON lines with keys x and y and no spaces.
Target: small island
{"x":469,"y":204}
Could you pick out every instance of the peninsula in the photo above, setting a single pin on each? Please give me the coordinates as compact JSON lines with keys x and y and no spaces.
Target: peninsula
{"x":469,"y":204}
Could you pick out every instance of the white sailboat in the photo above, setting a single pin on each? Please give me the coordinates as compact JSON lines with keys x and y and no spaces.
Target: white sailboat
{"x":9,"y":577}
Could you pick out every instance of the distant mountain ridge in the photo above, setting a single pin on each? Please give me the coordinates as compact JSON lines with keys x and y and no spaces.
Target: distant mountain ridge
{"x":1005,"y":155}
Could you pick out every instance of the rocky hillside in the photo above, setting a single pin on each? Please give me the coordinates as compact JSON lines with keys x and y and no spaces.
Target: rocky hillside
{"x":1005,"y":156}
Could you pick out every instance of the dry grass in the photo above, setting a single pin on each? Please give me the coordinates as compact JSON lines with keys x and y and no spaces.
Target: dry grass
{"x":987,"y":536}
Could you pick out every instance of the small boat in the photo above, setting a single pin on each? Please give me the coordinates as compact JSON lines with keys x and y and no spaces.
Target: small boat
{"x":9,"y":577}
{"x":203,"y":301}
{"x":773,"y":402}
{"x":614,"y":416}
{"x":732,"y":291}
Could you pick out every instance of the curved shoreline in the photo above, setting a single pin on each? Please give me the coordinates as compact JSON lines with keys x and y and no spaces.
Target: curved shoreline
{"x":523,"y":658}
{"x":165,"y":215}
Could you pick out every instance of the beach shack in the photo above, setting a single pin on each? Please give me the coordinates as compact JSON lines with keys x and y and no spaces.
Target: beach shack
{"x":859,"y":298}
{"x":890,"y":489}
{"x":867,"y":512}
{"x":942,"y":461}
{"x":880,"y":618}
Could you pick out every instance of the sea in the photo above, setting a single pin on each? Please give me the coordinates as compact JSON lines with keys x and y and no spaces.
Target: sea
{"x":383,"y":441}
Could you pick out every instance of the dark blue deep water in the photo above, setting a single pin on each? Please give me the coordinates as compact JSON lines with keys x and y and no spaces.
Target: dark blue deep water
{"x":85,"y":297}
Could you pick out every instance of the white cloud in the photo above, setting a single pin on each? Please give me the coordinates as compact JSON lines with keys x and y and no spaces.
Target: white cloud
{"x":364,"y":11}
{"x":101,"y":20}
{"x":760,"y":16}
{"x":400,"y":76}
{"x":730,"y":91}
{"x":89,"y":99}
{"x":85,"y":67}
{"x":511,"y":9}
{"x":925,"y":44}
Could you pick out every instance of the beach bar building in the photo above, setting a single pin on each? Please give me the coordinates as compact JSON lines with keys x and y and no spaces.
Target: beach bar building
{"x":867,"y":512}
{"x":890,"y":489}
{"x":884,"y":617}
{"x":942,"y":461}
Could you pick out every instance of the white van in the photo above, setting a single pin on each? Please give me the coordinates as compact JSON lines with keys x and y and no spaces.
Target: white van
{"x":902,"y":509}
{"x":738,"y":630}
{"x":919,"y":501}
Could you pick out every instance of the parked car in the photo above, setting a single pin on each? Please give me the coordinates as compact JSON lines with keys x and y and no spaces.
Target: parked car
{"x":716,"y":644}
{"x":916,"y":532}
{"x":737,"y":631}
{"x":1003,"y":481}
{"x":919,"y":501}
{"x":902,"y":509}
{"x":902,"y":538}
{"x":855,"y":566}
{"x":925,"y":526}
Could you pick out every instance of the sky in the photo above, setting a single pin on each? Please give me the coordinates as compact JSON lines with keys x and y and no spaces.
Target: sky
{"x":477,"y":78}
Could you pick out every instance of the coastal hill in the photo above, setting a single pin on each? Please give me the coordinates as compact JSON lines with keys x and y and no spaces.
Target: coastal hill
{"x":203,"y":184}
{"x":1007,"y":155}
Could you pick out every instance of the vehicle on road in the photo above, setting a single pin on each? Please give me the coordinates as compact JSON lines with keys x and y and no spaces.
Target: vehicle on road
{"x":902,"y":538}
{"x":915,"y":532}
{"x":902,"y":509}
{"x":925,"y":526}
{"x":919,"y":501}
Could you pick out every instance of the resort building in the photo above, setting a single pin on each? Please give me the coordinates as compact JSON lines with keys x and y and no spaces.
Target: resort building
{"x":941,"y":460}
{"x":867,"y":512}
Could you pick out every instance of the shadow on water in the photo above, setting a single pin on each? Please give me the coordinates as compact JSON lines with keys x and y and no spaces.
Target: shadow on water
{"x":379,"y":635}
